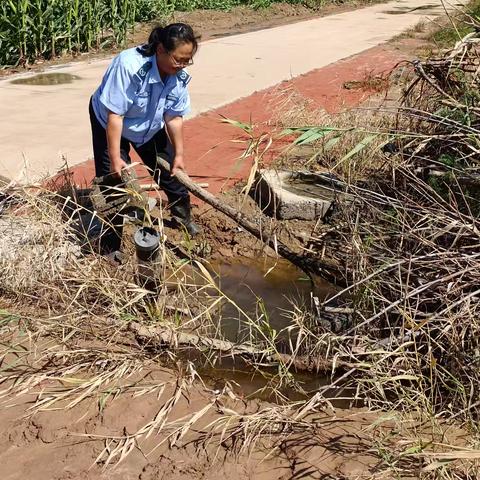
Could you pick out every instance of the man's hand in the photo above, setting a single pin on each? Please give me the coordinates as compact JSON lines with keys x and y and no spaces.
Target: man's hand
{"x":178,"y":164}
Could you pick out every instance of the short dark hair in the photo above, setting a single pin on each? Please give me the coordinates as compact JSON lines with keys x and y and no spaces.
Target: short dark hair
{"x":170,"y":37}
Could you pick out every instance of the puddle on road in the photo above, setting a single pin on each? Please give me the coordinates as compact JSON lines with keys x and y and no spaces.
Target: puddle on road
{"x":403,"y":10}
{"x":44,"y":79}
{"x":425,"y":7}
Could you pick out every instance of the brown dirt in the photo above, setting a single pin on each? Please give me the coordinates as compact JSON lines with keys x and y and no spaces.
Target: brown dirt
{"x":227,"y":240}
{"x":211,"y":23}
{"x":68,"y":443}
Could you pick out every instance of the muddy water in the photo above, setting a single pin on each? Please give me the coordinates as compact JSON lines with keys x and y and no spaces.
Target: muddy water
{"x":264,"y":289}
{"x":403,"y":10}
{"x":46,"y":79}
{"x":309,"y":185}
{"x":261,"y":294}
{"x":262,"y":385}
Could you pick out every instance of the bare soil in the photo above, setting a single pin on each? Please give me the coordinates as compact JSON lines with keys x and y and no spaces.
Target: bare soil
{"x":71,"y":443}
{"x":74,"y":442}
{"x":212,"y":24}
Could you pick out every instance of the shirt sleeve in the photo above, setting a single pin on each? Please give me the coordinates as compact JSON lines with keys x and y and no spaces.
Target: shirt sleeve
{"x":115,"y":93}
{"x":181,"y":106}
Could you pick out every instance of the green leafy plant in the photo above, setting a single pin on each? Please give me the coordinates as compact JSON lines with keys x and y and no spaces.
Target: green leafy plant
{"x":31,"y":29}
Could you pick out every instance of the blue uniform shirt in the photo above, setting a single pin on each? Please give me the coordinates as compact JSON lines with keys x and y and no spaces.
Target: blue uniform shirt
{"x":132,"y":87}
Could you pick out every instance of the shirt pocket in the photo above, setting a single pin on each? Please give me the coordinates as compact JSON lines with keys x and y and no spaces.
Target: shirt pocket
{"x":139,"y":106}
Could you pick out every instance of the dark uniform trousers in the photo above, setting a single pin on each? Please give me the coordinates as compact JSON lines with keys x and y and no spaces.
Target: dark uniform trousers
{"x":159,"y":145}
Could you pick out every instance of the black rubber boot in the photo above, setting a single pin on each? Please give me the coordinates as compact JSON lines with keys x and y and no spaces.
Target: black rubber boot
{"x":181,"y":212}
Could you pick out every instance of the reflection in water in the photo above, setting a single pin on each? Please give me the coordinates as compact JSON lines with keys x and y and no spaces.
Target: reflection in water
{"x":46,"y":79}
{"x":403,"y":10}
{"x":250,"y":383}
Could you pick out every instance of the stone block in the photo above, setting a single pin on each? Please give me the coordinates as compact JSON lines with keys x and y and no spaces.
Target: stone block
{"x":295,"y":195}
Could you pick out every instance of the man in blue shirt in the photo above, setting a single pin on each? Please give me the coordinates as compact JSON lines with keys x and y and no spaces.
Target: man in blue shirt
{"x":141,"y":103}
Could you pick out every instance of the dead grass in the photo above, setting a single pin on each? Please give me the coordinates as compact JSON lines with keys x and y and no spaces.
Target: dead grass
{"x":408,"y":241}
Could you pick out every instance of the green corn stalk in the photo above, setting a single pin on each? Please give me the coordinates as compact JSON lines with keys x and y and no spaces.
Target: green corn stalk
{"x":32,"y":28}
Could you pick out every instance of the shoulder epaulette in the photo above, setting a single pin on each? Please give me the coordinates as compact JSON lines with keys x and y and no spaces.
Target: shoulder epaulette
{"x":144,"y":69}
{"x":184,"y":77}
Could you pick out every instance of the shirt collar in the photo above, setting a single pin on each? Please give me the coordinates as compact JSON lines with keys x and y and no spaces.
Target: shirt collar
{"x":154,"y":73}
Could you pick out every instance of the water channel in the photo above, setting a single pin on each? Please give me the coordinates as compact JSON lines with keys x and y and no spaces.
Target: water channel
{"x":265,"y":289}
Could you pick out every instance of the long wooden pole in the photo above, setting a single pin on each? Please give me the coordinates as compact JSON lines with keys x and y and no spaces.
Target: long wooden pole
{"x":174,"y":338}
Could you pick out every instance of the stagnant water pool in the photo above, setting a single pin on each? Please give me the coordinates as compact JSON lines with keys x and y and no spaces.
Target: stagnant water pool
{"x":45,"y":79}
{"x":264,"y":289}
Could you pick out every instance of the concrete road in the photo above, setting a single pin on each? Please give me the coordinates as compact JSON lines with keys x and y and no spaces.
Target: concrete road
{"x":42,"y":125}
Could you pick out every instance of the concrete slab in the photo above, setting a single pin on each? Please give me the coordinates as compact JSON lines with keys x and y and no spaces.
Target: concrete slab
{"x":290,"y":195}
{"x":41,"y":126}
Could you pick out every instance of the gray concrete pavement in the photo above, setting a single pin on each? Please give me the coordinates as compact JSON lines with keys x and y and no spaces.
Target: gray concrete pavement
{"x":41,"y":124}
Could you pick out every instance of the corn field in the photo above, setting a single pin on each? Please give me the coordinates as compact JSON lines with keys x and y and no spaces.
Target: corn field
{"x":31,"y":29}
{"x":42,"y":29}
